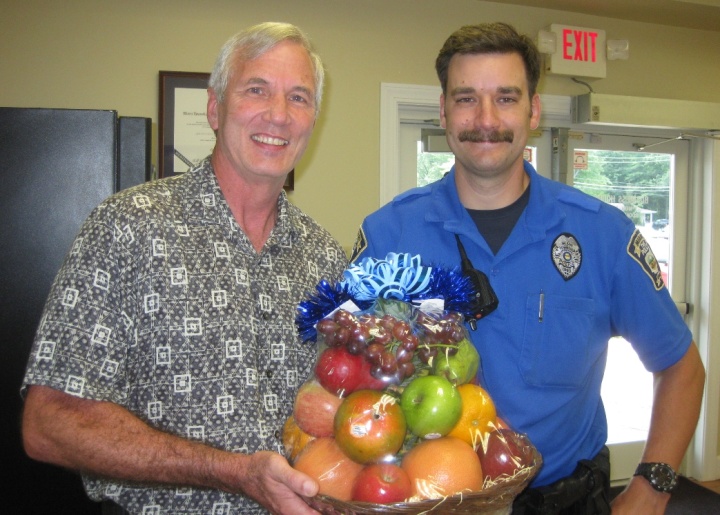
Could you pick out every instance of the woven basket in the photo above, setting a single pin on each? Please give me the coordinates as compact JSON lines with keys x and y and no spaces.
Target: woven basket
{"x":495,"y":498}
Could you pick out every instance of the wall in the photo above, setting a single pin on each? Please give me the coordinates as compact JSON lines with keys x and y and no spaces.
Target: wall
{"x":106,"y":55}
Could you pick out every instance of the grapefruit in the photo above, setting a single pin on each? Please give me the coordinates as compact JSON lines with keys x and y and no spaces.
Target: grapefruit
{"x":323,"y":461}
{"x":443,"y":467}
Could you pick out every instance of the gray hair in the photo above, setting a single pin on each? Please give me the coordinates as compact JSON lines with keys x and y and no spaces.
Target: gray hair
{"x":253,"y":42}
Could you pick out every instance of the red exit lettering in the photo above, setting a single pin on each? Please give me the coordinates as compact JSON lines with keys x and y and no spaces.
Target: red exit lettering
{"x":579,"y":45}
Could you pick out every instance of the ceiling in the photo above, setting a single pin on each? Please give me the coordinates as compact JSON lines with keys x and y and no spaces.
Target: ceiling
{"x":692,"y":14}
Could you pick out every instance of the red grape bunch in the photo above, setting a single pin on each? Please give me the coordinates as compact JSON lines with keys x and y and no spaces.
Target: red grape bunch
{"x":389,"y":344}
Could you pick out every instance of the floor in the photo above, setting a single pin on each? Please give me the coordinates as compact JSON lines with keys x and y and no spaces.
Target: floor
{"x":711,"y":485}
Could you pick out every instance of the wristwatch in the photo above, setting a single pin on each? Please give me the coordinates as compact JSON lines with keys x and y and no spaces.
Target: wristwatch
{"x":661,"y":476}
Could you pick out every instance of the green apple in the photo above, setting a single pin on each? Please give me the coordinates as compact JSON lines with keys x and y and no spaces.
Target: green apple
{"x":459,"y":368}
{"x":432,"y":406}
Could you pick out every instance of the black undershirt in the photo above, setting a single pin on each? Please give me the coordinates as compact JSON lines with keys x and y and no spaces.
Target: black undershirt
{"x":495,"y":225}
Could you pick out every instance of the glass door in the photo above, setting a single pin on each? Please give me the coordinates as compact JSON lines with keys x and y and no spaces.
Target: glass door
{"x":647,"y":179}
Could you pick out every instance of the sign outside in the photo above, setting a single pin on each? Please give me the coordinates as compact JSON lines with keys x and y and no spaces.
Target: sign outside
{"x":528,"y":154}
{"x":580,"y":160}
{"x":579,"y":52}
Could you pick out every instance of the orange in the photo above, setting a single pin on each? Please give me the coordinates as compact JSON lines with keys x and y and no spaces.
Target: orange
{"x":442,"y":467}
{"x":294,"y":439}
{"x":478,"y":415}
{"x":335,"y":473}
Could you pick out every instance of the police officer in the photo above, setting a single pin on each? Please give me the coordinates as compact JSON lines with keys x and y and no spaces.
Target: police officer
{"x":570,"y":272}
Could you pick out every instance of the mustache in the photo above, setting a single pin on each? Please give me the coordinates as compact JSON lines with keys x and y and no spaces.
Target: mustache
{"x":477,"y":136}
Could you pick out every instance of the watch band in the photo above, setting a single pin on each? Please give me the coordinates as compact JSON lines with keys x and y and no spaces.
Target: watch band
{"x":661,"y":476}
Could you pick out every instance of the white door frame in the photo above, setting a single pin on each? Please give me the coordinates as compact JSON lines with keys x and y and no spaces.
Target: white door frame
{"x":702,"y":459}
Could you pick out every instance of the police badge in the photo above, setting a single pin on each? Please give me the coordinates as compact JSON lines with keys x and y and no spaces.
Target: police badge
{"x":566,"y":255}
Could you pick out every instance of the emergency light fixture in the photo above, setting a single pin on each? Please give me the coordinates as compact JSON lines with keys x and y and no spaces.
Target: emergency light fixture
{"x":579,"y":51}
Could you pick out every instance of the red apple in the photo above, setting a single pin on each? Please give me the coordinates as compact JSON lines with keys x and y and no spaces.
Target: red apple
{"x":382,"y":483}
{"x":501,"y":424}
{"x":369,"y":426}
{"x":504,"y":452}
{"x":367,"y":380}
{"x":338,"y":371}
{"x":315,"y":408}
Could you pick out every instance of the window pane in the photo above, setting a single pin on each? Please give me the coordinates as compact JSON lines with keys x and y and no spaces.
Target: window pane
{"x":431,"y":166}
{"x":638,"y":183}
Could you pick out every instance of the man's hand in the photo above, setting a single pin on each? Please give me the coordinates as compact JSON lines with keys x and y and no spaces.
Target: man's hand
{"x":269,"y":479}
{"x":676,"y":406}
{"x":639,"y":498}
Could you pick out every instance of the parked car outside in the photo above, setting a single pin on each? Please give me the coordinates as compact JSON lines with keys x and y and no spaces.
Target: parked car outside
{"x":660,"y":224}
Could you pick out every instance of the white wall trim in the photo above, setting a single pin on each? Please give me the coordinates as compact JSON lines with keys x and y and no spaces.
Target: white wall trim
{"x":393,"y":97}
{"x":703,"y":462}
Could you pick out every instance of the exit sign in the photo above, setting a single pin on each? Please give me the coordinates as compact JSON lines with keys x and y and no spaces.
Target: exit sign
{"x":579,"y":52}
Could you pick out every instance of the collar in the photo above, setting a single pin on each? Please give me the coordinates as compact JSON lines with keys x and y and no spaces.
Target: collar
{"x":203,"y":203}
{"x":541,"y":214}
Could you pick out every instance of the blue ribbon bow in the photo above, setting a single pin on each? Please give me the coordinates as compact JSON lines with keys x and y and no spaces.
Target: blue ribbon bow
{"x":398,"y":276}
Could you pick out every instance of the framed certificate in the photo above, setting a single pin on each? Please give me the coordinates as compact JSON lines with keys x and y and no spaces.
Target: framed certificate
{"x":185,"y":136}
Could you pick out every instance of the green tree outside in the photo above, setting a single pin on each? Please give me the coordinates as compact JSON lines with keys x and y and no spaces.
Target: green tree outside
{"x":636,"y":181}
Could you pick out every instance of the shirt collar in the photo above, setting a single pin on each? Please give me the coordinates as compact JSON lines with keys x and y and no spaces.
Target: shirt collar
{"x":540,"y":214}
{"x":203,"y":203}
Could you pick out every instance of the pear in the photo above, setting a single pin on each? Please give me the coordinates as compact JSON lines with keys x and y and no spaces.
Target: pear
{"x":460,"y":367}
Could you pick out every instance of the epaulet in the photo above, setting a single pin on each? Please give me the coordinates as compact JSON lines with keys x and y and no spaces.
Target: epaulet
{"x":413,"y":193}
{"x":577,"y":198}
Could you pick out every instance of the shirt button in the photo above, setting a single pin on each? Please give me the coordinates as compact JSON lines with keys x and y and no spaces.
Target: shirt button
{"x":269,"y":373}
{"x":266,"y":315}
{"x":277,"y":434}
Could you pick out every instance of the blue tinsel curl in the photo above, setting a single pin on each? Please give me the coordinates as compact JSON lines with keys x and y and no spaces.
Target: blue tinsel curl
{"x":398,"y":276}
{"x":318,"y":306}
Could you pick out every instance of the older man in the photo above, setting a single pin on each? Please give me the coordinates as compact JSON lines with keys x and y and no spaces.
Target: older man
{"x":167,"y":358}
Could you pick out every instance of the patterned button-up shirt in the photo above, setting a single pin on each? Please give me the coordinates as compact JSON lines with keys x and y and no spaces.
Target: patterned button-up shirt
{"x":164,"y":307}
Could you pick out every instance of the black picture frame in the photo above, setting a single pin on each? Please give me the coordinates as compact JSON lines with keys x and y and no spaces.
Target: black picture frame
{"x":170,"y":82}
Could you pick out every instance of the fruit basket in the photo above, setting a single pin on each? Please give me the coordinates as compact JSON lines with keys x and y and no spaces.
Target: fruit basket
{"x":495,"y":498}
{"x":393,"y":420}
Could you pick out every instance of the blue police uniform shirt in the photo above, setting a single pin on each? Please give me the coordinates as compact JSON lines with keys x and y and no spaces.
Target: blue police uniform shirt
{"x":597,"y":278}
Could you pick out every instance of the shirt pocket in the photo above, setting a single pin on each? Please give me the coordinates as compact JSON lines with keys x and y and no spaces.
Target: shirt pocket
{"x":556,"y":349}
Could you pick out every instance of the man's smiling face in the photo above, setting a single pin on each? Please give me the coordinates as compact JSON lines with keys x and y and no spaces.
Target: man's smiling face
{"x":267,"y":117}
{"x":487,"y":112}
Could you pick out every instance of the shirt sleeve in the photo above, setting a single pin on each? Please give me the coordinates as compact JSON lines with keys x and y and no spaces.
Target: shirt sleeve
{"x":81,"y":343}
{"x":642,"y":310}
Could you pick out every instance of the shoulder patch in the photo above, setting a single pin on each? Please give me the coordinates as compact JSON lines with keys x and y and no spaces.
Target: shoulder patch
{"x":639,"y":249}
{"x":412,"y":193}
{"x":360,"y":245}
